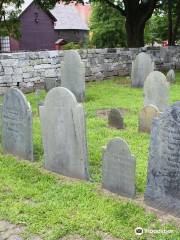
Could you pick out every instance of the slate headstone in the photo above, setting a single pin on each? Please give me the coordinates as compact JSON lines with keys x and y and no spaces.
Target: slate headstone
{"x":17,"y":125}
{"x":141,"y":67}
{"x":115,"y":119}
{"x":64,"y":134}
{"x":156,"y":90}
{"x":146,"y":115}
{"x":50,"y":83}
{"x":73,"y":74}
{"x":171,"y":76}
{"x":163,"y":182}
{"x":119,"y":168}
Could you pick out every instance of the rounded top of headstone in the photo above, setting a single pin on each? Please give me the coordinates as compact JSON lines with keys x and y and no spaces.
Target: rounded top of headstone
{"x":72,"y":55}
{"x":155,"y":77}
{"x":143,"y":56}
{"x":56,"y":94}
{"x":172,"y":113}
{"x":13,"y":97}
{"x":118,"y":145}
{"x":150,"y":107}
{"x":171,"y":75}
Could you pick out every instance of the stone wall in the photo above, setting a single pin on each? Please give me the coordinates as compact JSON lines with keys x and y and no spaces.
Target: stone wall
{"x":28,"y":70}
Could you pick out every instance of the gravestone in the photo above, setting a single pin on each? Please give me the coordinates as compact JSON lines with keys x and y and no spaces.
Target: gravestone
{"x":171,"y":76}
{"x":141,"y":67}
{"x":64,"y":134}
{"x":146,"y":115}
{"x":163,"y":182}
{"x":115,"y":119}
{"x":73,"y":74}
{"x":17,"y":125}
{"x":156,"y":90}
{"x":119,"y":168}
{"x":50,"y":83}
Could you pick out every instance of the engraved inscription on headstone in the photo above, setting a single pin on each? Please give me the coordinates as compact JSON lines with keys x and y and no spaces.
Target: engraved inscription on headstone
{"x":156,"y":90}
{"x":141,"y":67}
{"x":17,"y":125}
{"x":64,"y":134}
{"x":146,"y":115}
{"x":163,"y":182}
{"x":73,"y":74}
{"x":119,"y":168}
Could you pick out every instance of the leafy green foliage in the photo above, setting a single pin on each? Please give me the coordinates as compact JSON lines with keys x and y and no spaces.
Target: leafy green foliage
{"x":107,"y":26}
{"x":71,"y":45}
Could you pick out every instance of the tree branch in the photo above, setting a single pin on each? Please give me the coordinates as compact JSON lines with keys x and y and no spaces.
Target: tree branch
{"x":117,"y":7}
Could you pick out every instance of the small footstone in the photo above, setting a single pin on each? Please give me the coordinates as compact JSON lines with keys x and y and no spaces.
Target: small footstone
{"x":171,"y":76}
{"x":119,"y":168}
{"x":146,"y":115}
{"x":115,"y":119}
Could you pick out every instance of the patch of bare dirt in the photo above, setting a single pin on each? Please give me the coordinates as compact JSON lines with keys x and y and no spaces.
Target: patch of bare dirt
{"x":72,"y":237}
{"x":103,"y":113}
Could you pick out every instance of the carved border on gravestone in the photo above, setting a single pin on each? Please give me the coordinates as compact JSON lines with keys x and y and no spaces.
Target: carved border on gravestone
{"x":163,"y":181}
{"x":63,"y":122}
{"x":119,"y":167}
{"x":17,"y":125}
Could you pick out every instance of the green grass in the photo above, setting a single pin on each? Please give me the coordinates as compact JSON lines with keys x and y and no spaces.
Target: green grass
{"x":53,"y":206}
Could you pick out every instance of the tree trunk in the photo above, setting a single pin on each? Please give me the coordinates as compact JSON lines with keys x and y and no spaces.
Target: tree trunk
{"x":135,"y":33}
{"x":170,"y":23}
{"x":177,"y":24}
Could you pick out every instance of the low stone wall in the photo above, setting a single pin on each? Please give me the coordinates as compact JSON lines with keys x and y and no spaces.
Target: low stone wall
{"x":28,"y":70}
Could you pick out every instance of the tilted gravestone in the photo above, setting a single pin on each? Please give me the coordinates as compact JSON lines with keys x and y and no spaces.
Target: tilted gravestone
{"x":64,"y":134}
{"x":146,"y":115}
{"x":73,"y":74}
{"x":50,"y":83}
{"x":156,"y":90}
{"x":171,"y":76}
{"x":17,"y":125}
{"x":141,"y":67}
{"x":115,"y":119}
{"x":119,"y":168}
{"x":163,"y":182}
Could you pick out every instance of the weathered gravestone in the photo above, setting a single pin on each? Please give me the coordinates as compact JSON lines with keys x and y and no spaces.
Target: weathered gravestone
{"x":64,"y":134}
{"x":73,"y":74}
{"x":17,"y":125}
{"x":146,"y":115}
{"x":156,"y":90}
{"x":171,"y":76}
{"x":163,"y":183}
{"x":119,"y":168}
{"x":115,"y":119}
{"x":50,"y":83}
{"x":141,"y":67}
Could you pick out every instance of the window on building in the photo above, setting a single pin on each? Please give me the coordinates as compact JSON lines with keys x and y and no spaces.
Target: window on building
{"x":5,"y":44}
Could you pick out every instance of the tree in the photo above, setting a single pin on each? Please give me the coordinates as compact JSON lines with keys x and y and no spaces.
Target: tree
{"x":107,"y":27}
{"x":165,"y":23}
{"x":8,"y":17}
{"x":136,"y":13}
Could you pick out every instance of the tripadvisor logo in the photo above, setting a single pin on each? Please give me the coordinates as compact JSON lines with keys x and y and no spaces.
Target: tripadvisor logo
{"x":139,"y":231}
